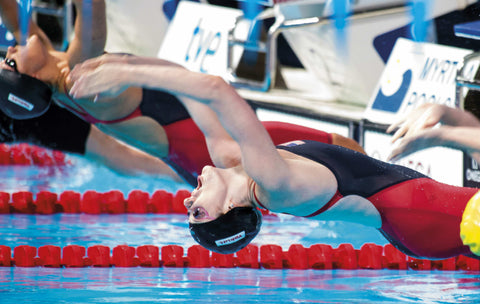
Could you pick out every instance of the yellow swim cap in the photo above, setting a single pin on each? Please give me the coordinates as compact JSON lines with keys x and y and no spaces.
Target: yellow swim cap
{"x":470,"y":225}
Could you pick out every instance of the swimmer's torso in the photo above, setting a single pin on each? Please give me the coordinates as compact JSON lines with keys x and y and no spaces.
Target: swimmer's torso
{"x":417,"y":214}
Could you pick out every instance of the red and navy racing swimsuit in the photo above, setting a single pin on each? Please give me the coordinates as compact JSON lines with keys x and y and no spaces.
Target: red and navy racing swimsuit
{"x":420,"y":216}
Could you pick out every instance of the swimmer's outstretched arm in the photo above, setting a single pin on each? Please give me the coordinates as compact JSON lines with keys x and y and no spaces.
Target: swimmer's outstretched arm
{"x":280,"y":182}
{"x":90,"y":32}
{"x":119,"y":58}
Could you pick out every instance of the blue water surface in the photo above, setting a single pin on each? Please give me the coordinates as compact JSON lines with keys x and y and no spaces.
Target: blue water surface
{"x":237,"y":285}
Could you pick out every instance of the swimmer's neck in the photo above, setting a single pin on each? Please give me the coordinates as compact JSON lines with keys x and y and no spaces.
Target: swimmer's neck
{"x":54,"y":71}
{"x":238,"y":184}
{"x":62,"y":83}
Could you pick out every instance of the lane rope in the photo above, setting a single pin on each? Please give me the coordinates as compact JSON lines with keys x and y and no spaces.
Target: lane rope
{"x":25,"y":154}
{"x":319,"y":256}
{"x":94,"y":202}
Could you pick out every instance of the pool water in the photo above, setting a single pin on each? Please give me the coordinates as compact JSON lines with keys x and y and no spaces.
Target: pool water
{"x":198,"y":285}
{"x":237,"y":285}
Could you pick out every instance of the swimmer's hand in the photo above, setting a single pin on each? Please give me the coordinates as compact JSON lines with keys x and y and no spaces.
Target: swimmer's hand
{"x":110,"y":74}
{"x":412,"y":130}
{"x":421,"y":140}
{"x":424,"y":117}
{"x":105,"y":80}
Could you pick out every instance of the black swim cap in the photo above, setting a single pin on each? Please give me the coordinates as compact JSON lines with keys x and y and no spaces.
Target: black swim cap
{"x":22,"y":96}
{"x":230,"y":232}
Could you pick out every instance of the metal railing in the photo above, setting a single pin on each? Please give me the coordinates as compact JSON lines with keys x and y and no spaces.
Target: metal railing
{"x":63,"y":12}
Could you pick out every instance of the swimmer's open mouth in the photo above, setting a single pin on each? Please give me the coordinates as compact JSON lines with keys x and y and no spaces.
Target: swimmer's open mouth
{"x":200,"y":212}
{"x":200,"y":215}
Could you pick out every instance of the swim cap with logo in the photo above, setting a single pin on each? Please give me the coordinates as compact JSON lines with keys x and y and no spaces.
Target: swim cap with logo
{"x":22,"y":96}
{"x":230,"y":232}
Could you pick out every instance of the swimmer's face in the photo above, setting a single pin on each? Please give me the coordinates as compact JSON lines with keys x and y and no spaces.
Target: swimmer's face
{"x":30,"y":58}
{"x":209,"y":200}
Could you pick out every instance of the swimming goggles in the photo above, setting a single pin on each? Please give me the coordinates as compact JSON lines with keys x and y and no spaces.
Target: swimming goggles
{"x":11,"y":63}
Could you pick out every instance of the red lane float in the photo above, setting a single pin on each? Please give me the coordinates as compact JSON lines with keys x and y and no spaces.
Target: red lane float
{"x":319,"y":256}
{"x":93,"y":202}
{"x":25,"y":154}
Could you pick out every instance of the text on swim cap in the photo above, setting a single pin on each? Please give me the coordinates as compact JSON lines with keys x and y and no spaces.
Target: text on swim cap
{"x":20,"y":102}
{"x":231,"y":239}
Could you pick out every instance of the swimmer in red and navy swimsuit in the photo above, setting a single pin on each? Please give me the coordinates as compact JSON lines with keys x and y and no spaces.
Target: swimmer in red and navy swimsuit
{"x":419,"y":215}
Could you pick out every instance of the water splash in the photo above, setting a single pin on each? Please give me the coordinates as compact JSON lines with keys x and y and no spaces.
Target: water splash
{"x":340,"y":22}
{"x":87,"y":26}
{"x":25,"y":13}
{"x":419,"y":12}
{"x":251,"y":8}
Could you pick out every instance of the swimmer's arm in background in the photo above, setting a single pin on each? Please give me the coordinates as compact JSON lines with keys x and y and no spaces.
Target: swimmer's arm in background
{"x":9,"y":13}
{"x":90,"y":32}
{"x":223,"y":150}
{"x":125,"y":159}
{"x":427,"y":116}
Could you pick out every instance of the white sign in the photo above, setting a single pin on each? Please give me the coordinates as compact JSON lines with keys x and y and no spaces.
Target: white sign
{"x":197,"y":37}
{"x":415,"y":73}
{"x":271,"y":115}
{"x":442,"y":164}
